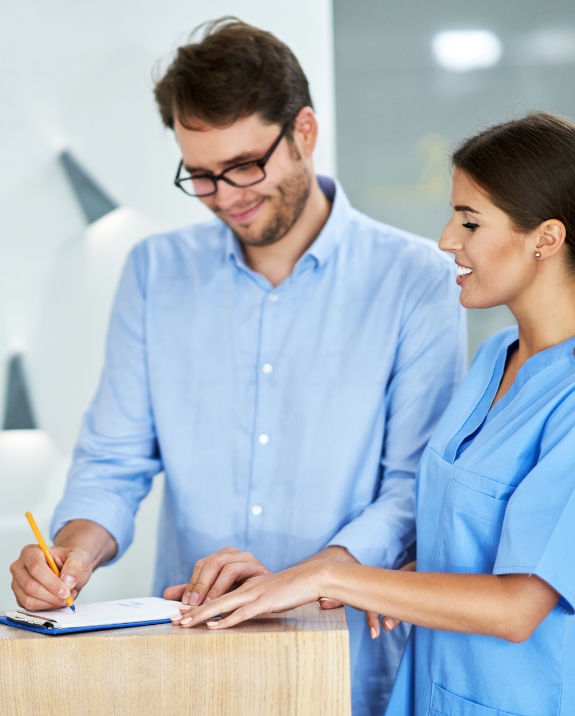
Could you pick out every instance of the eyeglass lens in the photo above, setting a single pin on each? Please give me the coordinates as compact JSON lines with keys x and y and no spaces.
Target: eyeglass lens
{"x":241,"y":176}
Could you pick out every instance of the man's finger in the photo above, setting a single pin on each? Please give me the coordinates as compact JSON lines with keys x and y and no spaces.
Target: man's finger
{"x":75,"y":571}
{"x":31,"y":571}
{"x":175,"y":593}
{"x":373,"y":624}
{"x":326,"y":603}
{"x":33,"y":596}
{"x":232,"y":573}
{"x":209,"y":572}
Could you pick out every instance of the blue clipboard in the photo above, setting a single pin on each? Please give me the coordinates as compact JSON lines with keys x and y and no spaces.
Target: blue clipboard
{"x":76,"y":630}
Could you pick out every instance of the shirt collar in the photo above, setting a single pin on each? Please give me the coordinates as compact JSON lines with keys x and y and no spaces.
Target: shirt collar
{"x":327,"y":239}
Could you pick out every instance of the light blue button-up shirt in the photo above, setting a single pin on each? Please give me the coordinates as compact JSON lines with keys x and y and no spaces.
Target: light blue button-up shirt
{"x":285,"y":418}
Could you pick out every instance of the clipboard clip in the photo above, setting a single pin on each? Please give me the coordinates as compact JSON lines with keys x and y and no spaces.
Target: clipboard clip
{"x":30,"y":620}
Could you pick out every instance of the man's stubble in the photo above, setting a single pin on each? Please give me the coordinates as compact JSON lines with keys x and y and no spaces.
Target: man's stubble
{"x":288,"y":201}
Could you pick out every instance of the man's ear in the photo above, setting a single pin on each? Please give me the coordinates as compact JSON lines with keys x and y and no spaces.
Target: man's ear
{"x":549,"y":238}
{"x":306,"y":130}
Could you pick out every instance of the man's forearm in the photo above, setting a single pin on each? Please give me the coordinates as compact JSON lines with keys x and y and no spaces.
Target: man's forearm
{"x":89,"y":536}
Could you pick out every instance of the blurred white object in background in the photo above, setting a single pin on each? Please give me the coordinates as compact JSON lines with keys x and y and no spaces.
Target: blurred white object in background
{"x":464,"y":50}
{"x":27,"y":457}
{"x":67,"y":355}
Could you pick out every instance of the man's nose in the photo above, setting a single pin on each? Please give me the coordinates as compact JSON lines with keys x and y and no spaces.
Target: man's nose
{"x":227,"y":195}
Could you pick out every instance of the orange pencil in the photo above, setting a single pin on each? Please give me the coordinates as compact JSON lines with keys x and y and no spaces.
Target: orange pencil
{"x":47,"y":553}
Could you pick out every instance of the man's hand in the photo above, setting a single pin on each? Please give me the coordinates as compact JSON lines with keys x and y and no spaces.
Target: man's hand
{"x":35,"y":584}
{"x":80,"y":547}
{"x":217,"y":574}
{"x":339,"y":554}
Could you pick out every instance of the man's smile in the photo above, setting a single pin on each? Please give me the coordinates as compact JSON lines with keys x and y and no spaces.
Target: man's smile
{"x":241,"y":216}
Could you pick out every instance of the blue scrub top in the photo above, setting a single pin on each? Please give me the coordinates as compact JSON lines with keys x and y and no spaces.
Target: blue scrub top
{"x":496,"y":495}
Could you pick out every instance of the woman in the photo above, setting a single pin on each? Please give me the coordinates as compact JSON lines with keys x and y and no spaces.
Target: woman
{"x":494,"y":592}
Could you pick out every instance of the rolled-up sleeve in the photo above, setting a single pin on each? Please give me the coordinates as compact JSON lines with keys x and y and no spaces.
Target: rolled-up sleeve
{"x":117,"y":454}
{"x":429,"y":365}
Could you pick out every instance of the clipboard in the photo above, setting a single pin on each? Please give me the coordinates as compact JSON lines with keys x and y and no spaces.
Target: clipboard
{"x":120,"y":614}
{"x":76,"y":630}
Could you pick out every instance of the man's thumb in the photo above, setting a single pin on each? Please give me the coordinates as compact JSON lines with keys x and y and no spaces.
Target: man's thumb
{"x":71,"y":571}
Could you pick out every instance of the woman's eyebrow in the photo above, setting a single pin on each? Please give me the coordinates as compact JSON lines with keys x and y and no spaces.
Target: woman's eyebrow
{"x":463,"y":207}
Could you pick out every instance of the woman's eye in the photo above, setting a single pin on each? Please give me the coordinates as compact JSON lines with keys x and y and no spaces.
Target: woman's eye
{"x":470,"y":225}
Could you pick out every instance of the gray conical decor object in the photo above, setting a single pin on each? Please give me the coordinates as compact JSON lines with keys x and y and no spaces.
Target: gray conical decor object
{"x":94,"y":201}
{"x":18,"y":414}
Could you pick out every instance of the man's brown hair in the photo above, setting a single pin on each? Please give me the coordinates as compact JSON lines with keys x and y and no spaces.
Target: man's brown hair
{"x":234,"y":71}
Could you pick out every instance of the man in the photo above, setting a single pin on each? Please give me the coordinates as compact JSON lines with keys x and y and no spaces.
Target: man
{"x":284,"y":364}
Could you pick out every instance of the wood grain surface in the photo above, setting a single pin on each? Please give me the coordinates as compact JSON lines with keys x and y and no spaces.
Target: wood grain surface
{"x":293,"y":663}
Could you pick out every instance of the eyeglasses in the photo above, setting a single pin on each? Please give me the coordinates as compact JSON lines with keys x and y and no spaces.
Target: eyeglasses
{"x":240,"y":175}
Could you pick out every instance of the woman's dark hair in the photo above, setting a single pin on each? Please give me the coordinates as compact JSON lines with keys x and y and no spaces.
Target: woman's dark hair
{"x":234,"y":71}
{"x":527,"y":167}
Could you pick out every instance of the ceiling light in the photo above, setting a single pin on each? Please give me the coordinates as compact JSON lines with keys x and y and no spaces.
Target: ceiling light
{"x":463,"y":50}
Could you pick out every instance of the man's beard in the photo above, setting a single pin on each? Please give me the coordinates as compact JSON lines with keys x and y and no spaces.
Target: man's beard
{"x":288,"y":200}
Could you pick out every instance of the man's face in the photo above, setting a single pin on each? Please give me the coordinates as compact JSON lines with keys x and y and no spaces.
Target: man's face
{"x":263,"y":213}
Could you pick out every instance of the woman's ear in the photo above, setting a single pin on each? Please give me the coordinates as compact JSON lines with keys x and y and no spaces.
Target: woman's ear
{"x":549,"y":238}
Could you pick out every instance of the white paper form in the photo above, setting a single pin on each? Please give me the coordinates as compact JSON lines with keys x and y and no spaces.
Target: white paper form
{"x":123,"y":611}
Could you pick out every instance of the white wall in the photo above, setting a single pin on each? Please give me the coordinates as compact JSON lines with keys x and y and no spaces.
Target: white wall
{"x":78,"y":76}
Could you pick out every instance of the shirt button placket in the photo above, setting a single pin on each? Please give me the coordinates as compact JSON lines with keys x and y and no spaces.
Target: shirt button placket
{"x":261,"y":469}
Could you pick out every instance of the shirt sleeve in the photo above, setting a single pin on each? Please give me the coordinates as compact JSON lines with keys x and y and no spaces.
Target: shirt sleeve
{"x":430,"y":362}
{"x":117,"y":454}
{"x":538,"y":534}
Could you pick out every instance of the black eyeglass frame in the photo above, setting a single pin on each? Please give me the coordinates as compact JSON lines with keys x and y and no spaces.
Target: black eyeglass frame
{"x":261,"y":163}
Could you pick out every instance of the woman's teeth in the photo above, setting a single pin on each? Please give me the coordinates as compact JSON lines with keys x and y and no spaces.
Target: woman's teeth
{"x":463,"y":270}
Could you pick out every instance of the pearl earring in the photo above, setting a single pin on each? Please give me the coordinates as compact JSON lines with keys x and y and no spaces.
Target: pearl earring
{"x":537,"y":254}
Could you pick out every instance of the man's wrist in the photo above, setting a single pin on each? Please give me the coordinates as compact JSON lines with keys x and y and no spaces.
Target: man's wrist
{"x":338,"y":553}
{"x":89,"y":537}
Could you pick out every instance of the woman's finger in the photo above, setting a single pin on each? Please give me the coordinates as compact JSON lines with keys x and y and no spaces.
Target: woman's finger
{"x":373,"y":624}
{"x":389,"y":623}
{"x":240,"y":615}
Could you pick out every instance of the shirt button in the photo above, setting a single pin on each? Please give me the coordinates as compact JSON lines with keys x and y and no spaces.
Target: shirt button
{"x":267,"y":367}
{"x":273,"y":297}
{"x":264,"y":439}
{"x":257,"y":510}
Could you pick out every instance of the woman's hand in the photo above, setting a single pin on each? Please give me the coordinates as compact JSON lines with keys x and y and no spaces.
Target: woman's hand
{"x":388,"y":623}
{"x":261,"y":595}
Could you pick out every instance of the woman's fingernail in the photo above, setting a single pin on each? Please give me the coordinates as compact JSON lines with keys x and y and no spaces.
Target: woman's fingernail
{"x":212,"y":624}
{"x":388,"y":623}
{"x":186,"y":621}
{"x":372,"y":632}
{"x":322,"y":599}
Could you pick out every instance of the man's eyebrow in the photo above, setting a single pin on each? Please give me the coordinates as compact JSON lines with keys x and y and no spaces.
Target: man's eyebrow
{"x":238,"y":159}
{"x":464,"y":207}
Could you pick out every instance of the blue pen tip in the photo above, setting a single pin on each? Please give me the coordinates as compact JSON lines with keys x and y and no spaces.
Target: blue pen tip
{"x":73,"y":608}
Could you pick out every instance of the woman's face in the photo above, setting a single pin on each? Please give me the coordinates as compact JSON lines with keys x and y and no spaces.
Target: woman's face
{"x":495,"y":262}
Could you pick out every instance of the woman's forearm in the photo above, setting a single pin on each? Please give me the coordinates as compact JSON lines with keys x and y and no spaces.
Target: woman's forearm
{"x":507,"y":606}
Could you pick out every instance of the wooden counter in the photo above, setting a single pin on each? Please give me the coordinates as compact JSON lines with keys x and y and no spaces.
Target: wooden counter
{"x":295,"y":663}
